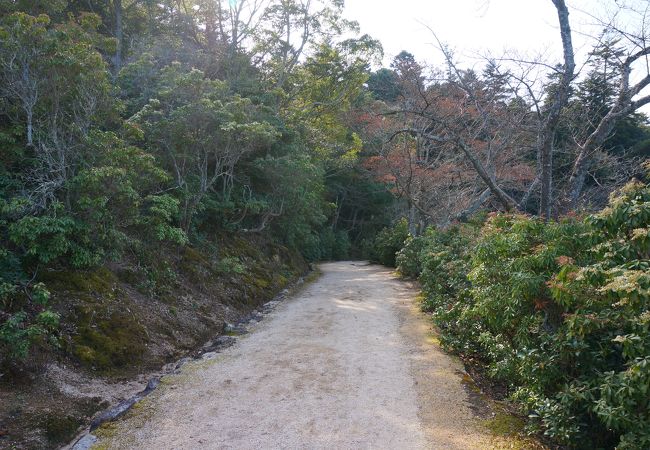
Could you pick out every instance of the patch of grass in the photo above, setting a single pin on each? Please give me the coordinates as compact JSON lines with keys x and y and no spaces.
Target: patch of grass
{"x":508,"y":431}
{"x":504,"y":424}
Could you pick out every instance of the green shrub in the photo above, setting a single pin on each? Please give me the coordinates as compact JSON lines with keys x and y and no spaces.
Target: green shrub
{"x":334,"y":245}
{"x":408,"y":259}
{"x":327,"y":239}
{"x":45,"y":238}
{"x":445,"y":262}
{"x":387,"y":243}
{"x":231,"y":264}
{"x":21,"y":329}
{"x":557,"y":312}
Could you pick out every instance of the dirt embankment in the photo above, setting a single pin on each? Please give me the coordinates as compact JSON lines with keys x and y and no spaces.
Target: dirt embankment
{"x":125,"y":320}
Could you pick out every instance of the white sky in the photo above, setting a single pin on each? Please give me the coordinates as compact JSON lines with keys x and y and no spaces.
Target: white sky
{"x":473,"y":27}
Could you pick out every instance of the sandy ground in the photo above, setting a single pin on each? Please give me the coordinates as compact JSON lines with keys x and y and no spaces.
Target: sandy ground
{"x":346,"y":363}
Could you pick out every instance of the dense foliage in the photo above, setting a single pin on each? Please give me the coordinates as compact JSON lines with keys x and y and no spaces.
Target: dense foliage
{"x":558,"y":312}
{"x":385,"y":245}
{"x":127,"y":126}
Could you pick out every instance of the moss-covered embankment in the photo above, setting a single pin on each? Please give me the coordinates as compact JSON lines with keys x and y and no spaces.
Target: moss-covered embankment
{"x":129,"y":318}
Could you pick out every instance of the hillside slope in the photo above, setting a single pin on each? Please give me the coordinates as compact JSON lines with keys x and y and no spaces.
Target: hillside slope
{"x":123,"y":321}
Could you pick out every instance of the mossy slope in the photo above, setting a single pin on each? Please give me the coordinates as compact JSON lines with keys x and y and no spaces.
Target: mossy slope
{"x":135,"y":315}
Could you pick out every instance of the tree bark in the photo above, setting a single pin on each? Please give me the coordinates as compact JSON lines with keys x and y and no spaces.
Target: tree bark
{"x":508,"y":203}
{"x":412,"y":225}
{"x":547,"y":132}
{"x":464,"y":215}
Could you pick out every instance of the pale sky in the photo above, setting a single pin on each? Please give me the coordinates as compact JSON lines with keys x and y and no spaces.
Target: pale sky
{"x":474,"y":27}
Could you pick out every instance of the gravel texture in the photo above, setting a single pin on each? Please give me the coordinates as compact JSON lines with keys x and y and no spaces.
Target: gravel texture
{"x":347,"y":362}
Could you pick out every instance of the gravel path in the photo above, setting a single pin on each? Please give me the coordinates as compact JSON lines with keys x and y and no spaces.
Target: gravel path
{"x":343,"y":364}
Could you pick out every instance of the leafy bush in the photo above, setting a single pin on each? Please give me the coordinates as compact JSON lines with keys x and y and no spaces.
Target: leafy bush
{"x":558,"y":312}
{"x":231,"y":264}
{"x":408,"y":259}
{"x":30,"y":321}
{"x":384,"y":247}
{"x":45,"y":238}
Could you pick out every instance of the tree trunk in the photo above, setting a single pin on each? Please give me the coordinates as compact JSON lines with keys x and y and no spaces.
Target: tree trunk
{"x":593,"y":142}
{"x":546,"y":177}
{"x":508,"y":203}
{"x":547,"y":131}
{"x":413,"y":226}
{"x":30,"y":127}
{"x":463,"y":216}
{"x":577,"y":180}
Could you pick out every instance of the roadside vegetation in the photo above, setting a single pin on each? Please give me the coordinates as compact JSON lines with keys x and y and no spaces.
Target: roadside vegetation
{"x":556,"y":313}
{"x":167,"y":165}
{"x":133,"y":129}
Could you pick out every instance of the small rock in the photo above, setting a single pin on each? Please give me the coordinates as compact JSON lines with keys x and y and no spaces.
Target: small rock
{"x":182,"y":362}
{"x":169,"y":367}
{"x":151,"y":385}
{"x":114,"y":413}
{"x":85,"y":442}
{"x":223,"y":342}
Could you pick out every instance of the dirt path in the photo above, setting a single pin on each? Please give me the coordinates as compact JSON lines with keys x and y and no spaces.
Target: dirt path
{"x":344,"y":364}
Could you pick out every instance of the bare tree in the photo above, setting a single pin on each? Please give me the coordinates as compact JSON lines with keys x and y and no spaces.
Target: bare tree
{"x":464,"y":142}
{"x":478,"y":127}
{"x":632,"y":53}
{"x":631,"y":95}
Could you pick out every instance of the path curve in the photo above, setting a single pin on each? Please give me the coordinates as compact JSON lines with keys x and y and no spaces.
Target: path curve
{"x":343,"y":364}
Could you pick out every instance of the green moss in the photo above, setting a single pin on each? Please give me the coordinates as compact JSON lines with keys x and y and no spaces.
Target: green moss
{"x":261,"y":283}
{"x":194,"y":265}
{"x":107,"y":332}
{"x":100,"y":281}
{"x":193,"y":256}
{"x":59,"y":428}
{"x":105,"y":337}
{"x":242,"y":247}
{"x":505,"y":424}
{"x":109,"y":343}
{"x":105,"y":433}
{"x":507,"y":430}
{"x":433,"y":339}
{"x":281,"y":281}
